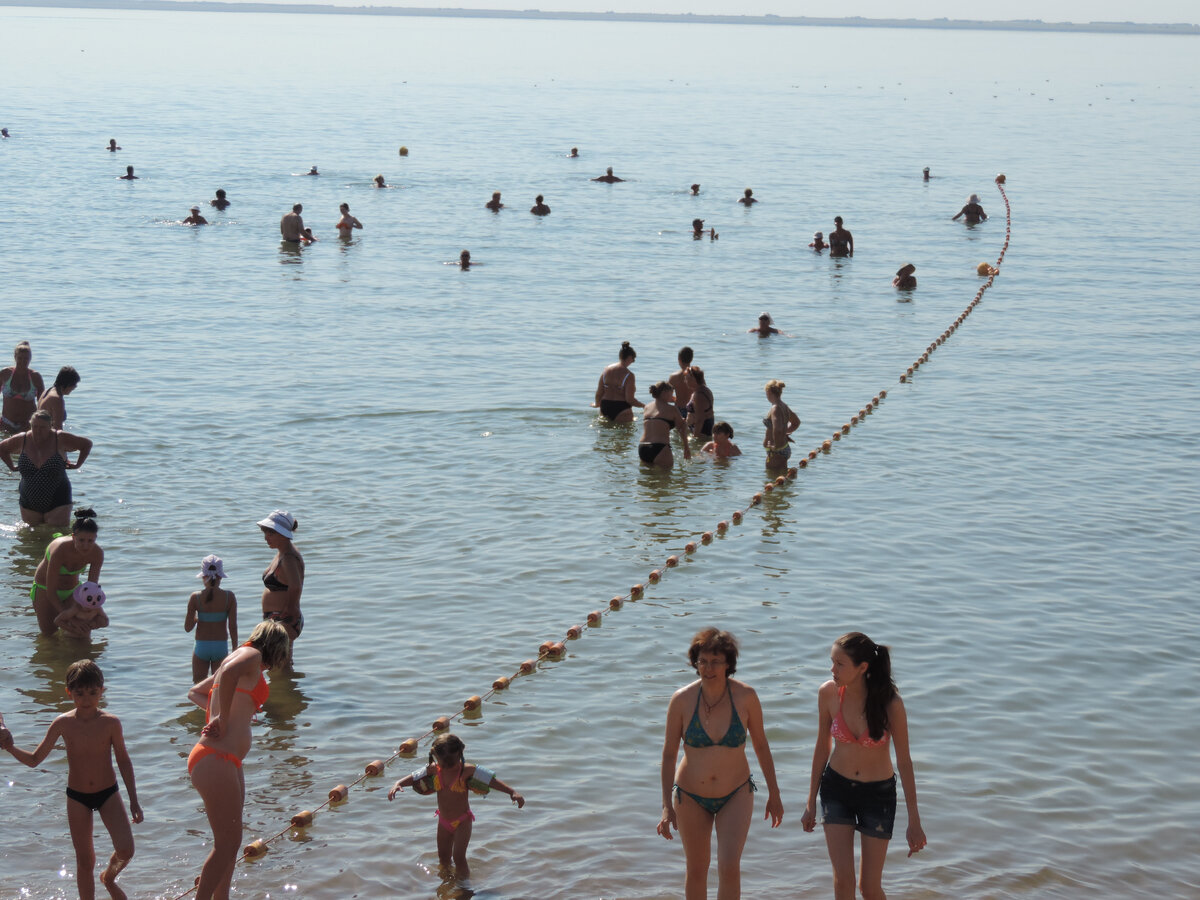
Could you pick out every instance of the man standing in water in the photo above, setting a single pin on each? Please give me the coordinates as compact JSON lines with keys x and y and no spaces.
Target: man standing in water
{"x":291,"y":226}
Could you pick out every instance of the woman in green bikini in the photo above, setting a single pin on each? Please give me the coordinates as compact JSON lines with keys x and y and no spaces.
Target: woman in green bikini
{"x":67,"y":556}
{"x":712,"y":784}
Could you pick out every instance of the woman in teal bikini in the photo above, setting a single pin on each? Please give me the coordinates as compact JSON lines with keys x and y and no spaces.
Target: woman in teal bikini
{"x":213,"y":613}
{"x":712,"y":784}
{"x":66,"y":557}
{"x":21,"y":386}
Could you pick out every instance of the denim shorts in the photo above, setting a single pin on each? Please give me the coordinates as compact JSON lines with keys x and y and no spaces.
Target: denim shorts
{"x":870,"y":806}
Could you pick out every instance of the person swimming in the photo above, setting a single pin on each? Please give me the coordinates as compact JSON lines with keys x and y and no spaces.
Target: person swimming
{"x":695,"y":189}
{"x":539,"y":206}
{"x":494,"y":204}
{"x":698,"y":231}
{"x":925,"y":173}
{"x":765,"y":327}
{"x":195,"y":218}
{"x":608,"y":177}
{"x":574,"y":154}
{"x":464,"y":259}
{"x":312,"y":171}
{"x":219,"y":202}
{"x":905,"y":280}
{"x":379,"y":182}
{"x":128,"y":176}
{"x":818,"y":242}
{"x":112,"y":145}
{"x":747,"y":198}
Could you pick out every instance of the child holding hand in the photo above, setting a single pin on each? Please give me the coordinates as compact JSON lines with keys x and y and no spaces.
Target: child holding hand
{"x":451,"y":777}
{"x":92,"y":737}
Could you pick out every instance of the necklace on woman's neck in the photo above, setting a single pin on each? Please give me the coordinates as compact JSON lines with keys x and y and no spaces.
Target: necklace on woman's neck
{"x":709,"y":707}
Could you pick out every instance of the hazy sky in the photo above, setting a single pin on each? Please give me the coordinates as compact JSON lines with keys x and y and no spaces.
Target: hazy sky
{"x":1047,"y":10}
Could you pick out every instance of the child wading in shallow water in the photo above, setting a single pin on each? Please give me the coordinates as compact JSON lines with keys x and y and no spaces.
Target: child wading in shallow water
{"x":451,"y":777}
{"x":92,"y":737}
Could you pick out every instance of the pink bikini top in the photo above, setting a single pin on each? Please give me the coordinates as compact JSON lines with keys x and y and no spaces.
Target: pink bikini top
{"x":841,"y":731}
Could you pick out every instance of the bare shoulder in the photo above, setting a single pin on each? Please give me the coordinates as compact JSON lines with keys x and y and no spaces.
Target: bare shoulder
{"x":741,"y":690}
{"x":827,"y":690}
{"x":686,"y":690}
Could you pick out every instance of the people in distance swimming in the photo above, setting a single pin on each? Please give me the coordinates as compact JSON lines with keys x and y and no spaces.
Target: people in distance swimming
{"x":494,"y":204}
{"x":766,"y":327}
{"x":659,"y":418}
{"x":925,"y":173}
{"x":695,"y":189}
{"x":722,"y":445}
{"x":615,"y":392}
{"x":818,"y":242}
{"x":608,"y":177}
{"x":195,"y":218}
{"x":841,"y":241}
{"x":378,"y":182}
{"x":747,"y":198}
{"x":574,"y":154}
{"x":973,"y":211}
{"x":905,"y":280}
{"x":539,"y":207}
{"x":4,"y":134}
{"x":312,"y":171}
{"x":128,"y":176}
{"x":347,"y":223}
{"x":219,"y":203}
{"x":112,"y":145}
{"x":464,"y":259}
{"x":698,"y":231}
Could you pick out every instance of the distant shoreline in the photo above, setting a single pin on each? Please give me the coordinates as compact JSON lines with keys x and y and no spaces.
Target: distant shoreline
{"x":1036,"y":25}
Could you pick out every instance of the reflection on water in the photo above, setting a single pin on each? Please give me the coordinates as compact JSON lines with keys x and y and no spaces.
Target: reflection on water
{"x":52,"y":656}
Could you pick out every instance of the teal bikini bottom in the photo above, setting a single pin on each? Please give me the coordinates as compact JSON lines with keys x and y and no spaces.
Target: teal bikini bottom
{"x":714,"y":805}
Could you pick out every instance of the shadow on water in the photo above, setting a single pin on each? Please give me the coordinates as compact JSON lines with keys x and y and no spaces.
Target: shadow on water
{"x":52,"y":656}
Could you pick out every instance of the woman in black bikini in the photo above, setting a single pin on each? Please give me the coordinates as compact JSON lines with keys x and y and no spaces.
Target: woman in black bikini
{"x":45,"y":490}
{"x":284,"y":579}
{"x":660,"y":417}
{"x":614,"y":393}
{"x":52,"y":401}
{"x":700,"y":407}
{"x":712,"y":786}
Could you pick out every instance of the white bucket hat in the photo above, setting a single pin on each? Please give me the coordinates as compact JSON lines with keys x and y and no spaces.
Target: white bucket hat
{"x":211,"y":567}
{"x":281,"y":521}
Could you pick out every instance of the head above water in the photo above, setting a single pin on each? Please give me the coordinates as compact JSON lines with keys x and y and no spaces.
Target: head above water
{"x":22,"y":350}
{"x":713,"y":640}
{"x":67,"y":377}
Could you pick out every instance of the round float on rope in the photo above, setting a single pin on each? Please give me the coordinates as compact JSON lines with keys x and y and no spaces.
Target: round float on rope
{"x":768,"y":487}
{"x":781,"y":480}
{"x":827,"y":446}
{"x":846,"y":428}
{"x":903,"y":379}
{"x":575,"y":631}
{"x":1001,"y":179}
{"x":737,"y":517}
{"x":616,"y":603}
{"x":339,"y":794}
{"x":374,"y":768}
{"x":706,"y":538}
{"x":558,"y":650}
{"x":812,"y":454}
{"x":722,"y":527}
{"x":302,"y":819}
{"x":255,"y":850}
{"x":441,"y":723}
{"x":636,"y":591}
{"x":408,"y":747}
{"x":672,"y":561}
{"x":803,"y":464}
{"x":404,"y":151}
{"x":544,"y":648}
{"x":792,"y":473}
{"x":473,"y":702}
{"x":654,"y":576}
{"x":756,"y":499}
{"x":530,"y":666}
{"x":882,"y":395}
{"x":689,"y":547}
{"x":501,"y":683}
{"x":854,"y":419}
{"x":594,"y":617}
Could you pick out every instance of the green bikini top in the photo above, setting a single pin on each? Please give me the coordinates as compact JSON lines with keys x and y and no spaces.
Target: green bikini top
{"x":63,"y":570}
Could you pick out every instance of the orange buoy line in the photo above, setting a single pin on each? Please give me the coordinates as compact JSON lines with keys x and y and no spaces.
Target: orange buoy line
{"x":555,"y":650}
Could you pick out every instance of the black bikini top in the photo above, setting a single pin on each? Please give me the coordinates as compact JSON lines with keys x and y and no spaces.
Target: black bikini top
{"x":271,"y":583}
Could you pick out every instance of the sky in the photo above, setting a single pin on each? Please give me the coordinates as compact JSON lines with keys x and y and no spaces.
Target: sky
{"x":1172,"y":11}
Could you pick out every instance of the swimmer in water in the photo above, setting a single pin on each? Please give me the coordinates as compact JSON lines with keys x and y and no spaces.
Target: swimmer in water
{"x":818,"y":242}
{"x":695,"y":189}
{"x":379,"y":182}
{"x":291,"y":226}
{"x":539,"y":206}
{"x":574,"y":153}
{"x":698,"y":231}
{"x":747,"y":198}
{"x":4,"y":134}
{"x":608,"y":177}
{"x":307,"y":236}
{"x":678,"y":380}
{"x":841,"y":241}
{"x":905,"y":280}
{"x":464,"y":259}
{"x":765,"y":327}
{"x":128,"y":176}
{"x":494,"y":204}
{"x":219,"y":202}
{"x":347,"y":223}
{"x":722,"y":445}
{"x":973,"y":211}
{"x":925,"y":173}
{"x":195,"y":218}
{"x":112,"y":145}
{"x":312,"y":171}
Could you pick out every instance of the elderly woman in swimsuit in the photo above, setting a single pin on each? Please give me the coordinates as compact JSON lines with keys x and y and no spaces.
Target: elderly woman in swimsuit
{"x":661,"y":416}
{"x":21,"y":386}
{"x":712,"y":785}
{"x":57,"y":575}
{"x":230,"y":697}
{"x":859,"y":710}
{"x":284,"y":578}
{"x":615,"y":392}
{"x":52,"y":401}
{"x":780,"y":423}
{"x":45,"y":490}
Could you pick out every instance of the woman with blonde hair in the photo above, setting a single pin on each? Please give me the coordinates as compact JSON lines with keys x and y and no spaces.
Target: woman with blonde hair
{"x":21,"y":386}
{"x":780,"y":423}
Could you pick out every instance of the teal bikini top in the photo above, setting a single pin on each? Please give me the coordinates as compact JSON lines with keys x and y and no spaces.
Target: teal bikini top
{"x":696,"y":736}
{"x":214,"y":616}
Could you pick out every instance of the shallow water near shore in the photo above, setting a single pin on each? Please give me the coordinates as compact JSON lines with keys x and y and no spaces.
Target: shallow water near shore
{"x":1018,"y":522}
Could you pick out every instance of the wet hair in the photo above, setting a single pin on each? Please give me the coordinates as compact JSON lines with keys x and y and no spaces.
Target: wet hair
{"x":129,"y":170}
{"x":466,"y":254}
{"x":221,"y":193}
{"x":906,"y":269}
{"x":445,"y":746}
{"x":495,"y":194}
{"x":723,"y":428}
{"x":881,"y":690}
{"x":698,"y":224}
{"x":345,"y":207}
{"x":83,"y":673}
{"x":85,"y":520}
{"x":271,"y":640}
{"x":67,"y":377}
{"x":837,"y":220}
{"x":626,"y":352}
{"x":378,"y":178}
{"x":42,"y":415}
{"x":775,"y":386}
{"x":685,"y":356}
{"x":608,"y":171}
{"x":662,"y":387}
{"x":539,"y":199}
{"x":712,"y":640}
{"x":748,"y":192}
{"x":24,"y":345}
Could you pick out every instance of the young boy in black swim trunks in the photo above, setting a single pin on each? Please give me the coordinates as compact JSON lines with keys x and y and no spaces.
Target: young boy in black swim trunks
{"x":92,"y":736}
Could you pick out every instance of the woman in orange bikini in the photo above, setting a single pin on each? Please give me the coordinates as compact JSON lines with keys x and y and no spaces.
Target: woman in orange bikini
{"x":712,"y":786}
{"x":860,"y":711}
{"x":230,"y":697}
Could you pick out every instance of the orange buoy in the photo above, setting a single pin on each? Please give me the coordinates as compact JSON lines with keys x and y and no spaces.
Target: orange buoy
{"x":616,"y":602}
{"x":793,"y":472}
{"x":576,"y":630}
{"x":854,"y":419}
{"x":737,"y":517}
{"x":636,"y":591}
{"x":781,"y":480}
{"x":558,"y":651}
{"x":689,"y":547}
{"x":441,"y":723}
{"x":827,"y":446}
{"x":501,"y":683}
{"x":594,"y":617}
{"x":903,"y":379}
{"x":803,"y":464}
{"x":407,"y":747}
{"x":374,"y":768}
{"x":768,"y":488}
{"x":846,"y":428}
{"x":544,"y":648}
{"x":255,"y":850}
{"x":882,"y":395}
{"x":909,"y":371}
{"x":812,"y":454}
{"x":756,"y":499}
{"x":473,"y":702}
{"x":529,"y":666}
{"x":654,"y":576}
{"x":404,"y":151}
{"x":672,"y":561}
{"x":339,"y":794}
{"x":706,"y":538}
{"x":722,"y":527}
{"x":302,"y":819}
{"x":837,"y":436}
{"x":1001,"y":179}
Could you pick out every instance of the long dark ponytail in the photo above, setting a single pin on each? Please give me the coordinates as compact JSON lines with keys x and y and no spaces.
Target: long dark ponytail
{"x":881,"y":690}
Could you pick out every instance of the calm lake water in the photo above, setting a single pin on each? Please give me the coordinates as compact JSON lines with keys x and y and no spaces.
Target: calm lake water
{"x":1018,"y":523}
